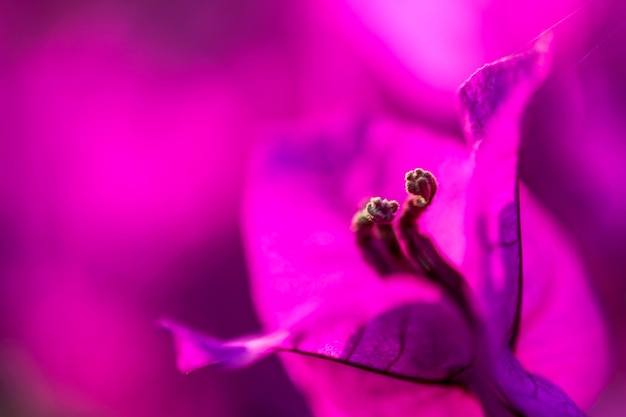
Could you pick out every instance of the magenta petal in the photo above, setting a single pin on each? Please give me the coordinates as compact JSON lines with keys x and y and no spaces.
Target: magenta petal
{"x":563,"y":336}
{"x":494,"y":97}
{"x":493,"y":100}
{"x":336,"y":390}
{"x":411,"y":342}
{"x":379,"y":329}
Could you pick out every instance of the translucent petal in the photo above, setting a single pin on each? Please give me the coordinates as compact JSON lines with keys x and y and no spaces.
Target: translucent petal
{"x":381,"y":329}
{"x":493,"y":100}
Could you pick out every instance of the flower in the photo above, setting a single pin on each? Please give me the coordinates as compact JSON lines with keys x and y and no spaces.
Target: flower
{"x":432,"y":316}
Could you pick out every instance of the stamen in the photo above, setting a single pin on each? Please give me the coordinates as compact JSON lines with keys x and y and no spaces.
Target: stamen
{"x":422,"y":186}
{"x":383,"y":212}
{"x":371,"y":247}
{"x":377,"y":239}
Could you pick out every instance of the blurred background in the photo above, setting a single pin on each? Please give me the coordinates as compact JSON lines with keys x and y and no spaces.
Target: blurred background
{"x":125,"y":131}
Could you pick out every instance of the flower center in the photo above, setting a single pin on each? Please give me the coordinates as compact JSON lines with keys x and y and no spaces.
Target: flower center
{"x":408,"y":251}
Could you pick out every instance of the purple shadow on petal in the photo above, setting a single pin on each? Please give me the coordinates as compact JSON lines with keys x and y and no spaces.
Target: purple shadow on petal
{"x":510,"y":246}
{"x":533,"y":395}
{"x":413,"y":341}
{"x":327,"y":154}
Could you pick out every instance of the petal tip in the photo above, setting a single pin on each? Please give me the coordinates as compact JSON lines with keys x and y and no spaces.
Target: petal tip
{"x":504,"y":85}
{"x":195,"y":350}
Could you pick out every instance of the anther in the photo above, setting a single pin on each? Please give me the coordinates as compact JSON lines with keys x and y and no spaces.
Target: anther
{"x":376,"y":237}
{"x":382,"y":211}
{"x":422,"y":184}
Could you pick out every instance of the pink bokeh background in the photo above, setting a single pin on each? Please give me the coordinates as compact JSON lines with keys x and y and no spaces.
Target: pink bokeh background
{"x":127,"y":128}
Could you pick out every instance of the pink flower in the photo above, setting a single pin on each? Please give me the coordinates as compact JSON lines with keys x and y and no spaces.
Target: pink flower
{"x":431,"y":315}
